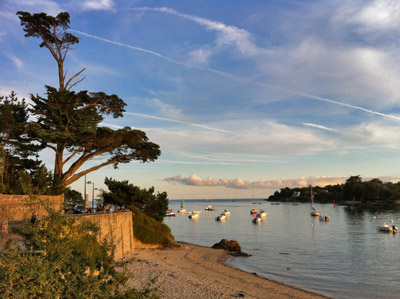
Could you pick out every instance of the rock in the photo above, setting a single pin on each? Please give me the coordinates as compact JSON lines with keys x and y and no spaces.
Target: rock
{"x":227,"y":245}
{"x":239,"y":253}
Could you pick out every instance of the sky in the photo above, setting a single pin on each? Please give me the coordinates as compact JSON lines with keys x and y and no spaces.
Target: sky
{"x":243,"y":97}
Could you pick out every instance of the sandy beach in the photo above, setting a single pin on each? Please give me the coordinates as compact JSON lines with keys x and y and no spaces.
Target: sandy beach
{"x":192,"y":271}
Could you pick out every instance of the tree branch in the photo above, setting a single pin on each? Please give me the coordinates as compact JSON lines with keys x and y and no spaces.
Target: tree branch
{"x":73,"y":77}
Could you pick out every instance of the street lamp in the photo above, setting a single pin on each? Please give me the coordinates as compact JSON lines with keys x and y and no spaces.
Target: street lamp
{"x":92,"y":183}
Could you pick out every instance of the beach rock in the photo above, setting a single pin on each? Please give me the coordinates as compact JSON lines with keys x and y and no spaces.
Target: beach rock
{"x":239,"y":253}
{"x":231,"y":245}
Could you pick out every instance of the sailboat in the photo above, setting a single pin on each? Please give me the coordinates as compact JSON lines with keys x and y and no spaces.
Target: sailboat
{"x":313,"y":212}
{"x":182,"y":209}
{"x":253,"y":211}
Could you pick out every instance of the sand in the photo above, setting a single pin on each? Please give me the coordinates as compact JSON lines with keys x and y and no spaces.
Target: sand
{"x":198,"y":272}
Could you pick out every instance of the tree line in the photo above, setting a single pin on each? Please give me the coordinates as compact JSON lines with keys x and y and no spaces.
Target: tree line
{"x":369,"y":193}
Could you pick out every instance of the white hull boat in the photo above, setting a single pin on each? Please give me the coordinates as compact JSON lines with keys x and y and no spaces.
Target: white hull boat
{"x":387,"y":228}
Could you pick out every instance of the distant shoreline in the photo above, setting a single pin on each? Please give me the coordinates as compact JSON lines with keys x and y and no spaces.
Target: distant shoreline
{"x":192,"y":271}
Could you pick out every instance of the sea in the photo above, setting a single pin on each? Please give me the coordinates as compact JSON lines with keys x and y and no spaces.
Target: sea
{"x":343,"y":258}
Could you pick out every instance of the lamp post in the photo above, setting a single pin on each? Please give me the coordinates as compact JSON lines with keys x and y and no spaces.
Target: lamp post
{"x":92,"y":183}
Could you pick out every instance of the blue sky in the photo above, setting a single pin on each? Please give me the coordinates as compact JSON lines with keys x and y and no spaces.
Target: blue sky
{"x":236,"y":93}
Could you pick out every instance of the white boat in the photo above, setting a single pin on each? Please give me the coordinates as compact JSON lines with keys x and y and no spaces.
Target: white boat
{"x":194,"y":216}
{"x":182,"y":209}
{"x":226,"y":213}
{"x":262,"y":214}
{"x":170,"y":214}
{"x":313,"y":212}
{"x":387,"y":228}
{"x":209,"y":208}
{"x":324,"y":217}
{"x":257,"y":219}
{"x":221,"y":217}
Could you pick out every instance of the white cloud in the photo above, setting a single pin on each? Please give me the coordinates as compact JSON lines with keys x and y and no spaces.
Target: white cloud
{"x":373,"y":16}
{"x":50,"y":7}
{"x":319,"y":127}
{"x":200,"y":56}
{"x":228,"y":35}
{"x":166,"y":109}
{"x":18,"y":62}
{"x":98,"y":4}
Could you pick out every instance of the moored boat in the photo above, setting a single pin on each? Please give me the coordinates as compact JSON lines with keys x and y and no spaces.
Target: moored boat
{"x":324,"y":217}
{"x":194,"y":216}
{"x":253,"y":211}
{"x":257,"y":219}
{"x":209,"y":208}
{"x":387,"y":228}
{"x":262,"y":214}
{"x":226,"y":213}
{"x":221,"y":217}
{"x":170,"y":214}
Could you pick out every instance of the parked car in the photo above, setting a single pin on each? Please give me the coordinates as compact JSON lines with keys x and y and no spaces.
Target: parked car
{"x":79,"y":209}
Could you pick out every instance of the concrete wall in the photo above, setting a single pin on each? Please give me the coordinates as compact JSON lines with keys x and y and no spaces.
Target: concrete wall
{"x":16,"y":207}
{"x":117,"y":228}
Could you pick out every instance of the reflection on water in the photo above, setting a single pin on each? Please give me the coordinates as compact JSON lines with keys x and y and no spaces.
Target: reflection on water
{"x":343,"y":258}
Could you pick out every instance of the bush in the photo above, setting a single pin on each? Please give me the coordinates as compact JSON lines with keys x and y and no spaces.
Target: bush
{"x":150,"y":231}
{"x":71,"y":263}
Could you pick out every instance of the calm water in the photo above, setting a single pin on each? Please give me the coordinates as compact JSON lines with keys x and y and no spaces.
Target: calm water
{"x":343,"y":258}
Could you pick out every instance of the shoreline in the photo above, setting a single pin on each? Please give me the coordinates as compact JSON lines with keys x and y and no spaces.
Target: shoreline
{"x":193,"y":271}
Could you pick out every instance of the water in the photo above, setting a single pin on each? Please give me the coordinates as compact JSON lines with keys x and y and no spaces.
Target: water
{"x":343,"y":258}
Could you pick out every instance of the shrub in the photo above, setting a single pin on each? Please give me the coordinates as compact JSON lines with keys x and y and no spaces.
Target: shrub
{"x":150,"y":231}
{"x":71,"y":263}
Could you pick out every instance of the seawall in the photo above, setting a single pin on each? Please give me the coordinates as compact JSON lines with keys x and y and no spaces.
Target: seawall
{"x":17,"y":207}
{"x":117,"y":228}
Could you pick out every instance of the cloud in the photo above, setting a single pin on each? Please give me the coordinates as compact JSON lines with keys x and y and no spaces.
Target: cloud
{"x":319,"y":127}
{"x":228,"y":35}
{"x":200,"y":56}
{"x":195,"y":180}
{"x":98,"y":4}
{"x":166,"y":109}
{"x":47,"y":6}
{"x":306,"y":63}
{"x":18,"y":62}
{"x":179,"y":122}
{"x":371,"y":16}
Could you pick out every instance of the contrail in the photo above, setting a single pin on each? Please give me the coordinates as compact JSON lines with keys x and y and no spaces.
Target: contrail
{"x":244,"y":80}
{"x":153,"y":53}
{"x":179,"y":122}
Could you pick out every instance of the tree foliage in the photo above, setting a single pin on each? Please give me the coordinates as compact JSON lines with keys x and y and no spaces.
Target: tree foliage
{"x":68,"y":121}
{"x":369,"y":193}
{"x":73,"y":198}
{"x":72,"y":263}
{"x":124,"y":193}
{"x":20,"y":170}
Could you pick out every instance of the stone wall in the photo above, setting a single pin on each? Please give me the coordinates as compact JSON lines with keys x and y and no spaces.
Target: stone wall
{"x":117,"y":228}
{"x":17,"y":207}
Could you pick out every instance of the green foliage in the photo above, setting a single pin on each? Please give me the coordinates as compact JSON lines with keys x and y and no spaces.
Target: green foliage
{"x":67,"y":122}
{"x":72,"y":263}
{"x":18,"y":156}
{"x":369,"y":193}
{"x":73,"y":198}
{"x":124,"y":193}
{"x":150,"y":231}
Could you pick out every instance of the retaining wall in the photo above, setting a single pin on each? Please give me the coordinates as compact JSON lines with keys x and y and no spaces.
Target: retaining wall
{"x":17,"y":207}
{"x":117,"y":228}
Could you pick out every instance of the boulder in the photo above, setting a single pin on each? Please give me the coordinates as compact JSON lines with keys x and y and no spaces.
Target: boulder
{"x":231,"y":245}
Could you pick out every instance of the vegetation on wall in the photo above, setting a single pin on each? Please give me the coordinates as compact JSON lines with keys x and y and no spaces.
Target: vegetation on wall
{"x":148,"y":210}
{"x":65,"y":260}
